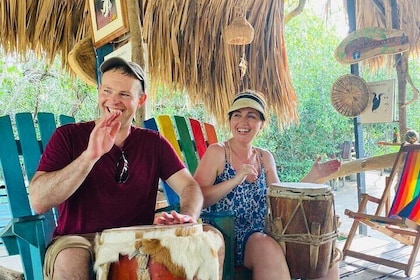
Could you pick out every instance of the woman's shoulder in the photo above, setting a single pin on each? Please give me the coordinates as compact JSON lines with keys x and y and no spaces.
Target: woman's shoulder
{"x":216,"y":149}
{"x":266,"y":156}
{"x":217,"y":146}
{"x":264,"y":152}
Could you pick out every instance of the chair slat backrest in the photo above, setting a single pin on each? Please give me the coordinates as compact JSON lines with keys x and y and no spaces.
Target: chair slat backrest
{"x":408,"y":191}
{"x":167,"y":129}
{"x":187,"y":137}
{"x":12,"y":170}
{"x":64,"y":119}
{"x":47,"y":125}
{"x":186,"y":143}
{"x":211,"y":133}
{"x":26,"y":233}
{"x":199,"y":139}
{"x":31,"y":147}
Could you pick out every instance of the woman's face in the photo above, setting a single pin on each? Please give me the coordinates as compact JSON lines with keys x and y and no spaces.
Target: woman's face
{"x":245,"y":124}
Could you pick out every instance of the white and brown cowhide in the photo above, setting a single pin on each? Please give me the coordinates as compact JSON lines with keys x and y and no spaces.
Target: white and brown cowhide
{"x":185,"y":250}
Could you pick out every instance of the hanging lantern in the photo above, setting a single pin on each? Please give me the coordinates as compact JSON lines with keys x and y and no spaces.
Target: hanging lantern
{"x":239,"y":32}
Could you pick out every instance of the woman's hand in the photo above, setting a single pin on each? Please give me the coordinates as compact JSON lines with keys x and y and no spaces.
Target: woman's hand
{"x":326,"y":168}
{"x":247,"y":172}
{"x":320,"y":170}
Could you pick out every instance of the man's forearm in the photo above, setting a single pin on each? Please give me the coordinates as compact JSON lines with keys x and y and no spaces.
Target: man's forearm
{"x":48,"y":189}
{"x":191,"y":201}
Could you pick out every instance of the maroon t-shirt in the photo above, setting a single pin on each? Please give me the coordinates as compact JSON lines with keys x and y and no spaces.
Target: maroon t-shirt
{"x":100,"y":202}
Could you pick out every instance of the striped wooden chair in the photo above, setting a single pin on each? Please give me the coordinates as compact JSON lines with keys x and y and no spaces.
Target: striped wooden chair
{"x":401,"y":220}
{"x":190,"y":139}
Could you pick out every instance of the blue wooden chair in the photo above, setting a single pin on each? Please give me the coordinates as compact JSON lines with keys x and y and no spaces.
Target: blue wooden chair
{"x":27,"y":233}
{"x":190,"y":139}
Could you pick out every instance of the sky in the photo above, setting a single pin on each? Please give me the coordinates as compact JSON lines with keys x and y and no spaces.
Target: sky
{"x":337,"y":16}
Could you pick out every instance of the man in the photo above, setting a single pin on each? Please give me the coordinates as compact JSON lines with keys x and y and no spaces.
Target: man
{"x":104,"y":174}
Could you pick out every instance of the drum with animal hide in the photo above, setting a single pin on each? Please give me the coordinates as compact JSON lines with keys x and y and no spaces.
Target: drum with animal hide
{"x":172,"y":252}
{"x":302,"y":219}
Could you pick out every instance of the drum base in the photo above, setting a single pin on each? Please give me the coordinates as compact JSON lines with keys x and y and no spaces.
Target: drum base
{"x":126,"y":269}
{"x":296,"y":254}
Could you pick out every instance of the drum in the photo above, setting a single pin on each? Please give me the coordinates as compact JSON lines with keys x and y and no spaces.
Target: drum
{"x":302,"y":219}
{"x":155,"y":252}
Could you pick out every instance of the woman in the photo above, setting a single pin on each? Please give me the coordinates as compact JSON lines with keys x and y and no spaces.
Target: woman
{"x":234,"y":176}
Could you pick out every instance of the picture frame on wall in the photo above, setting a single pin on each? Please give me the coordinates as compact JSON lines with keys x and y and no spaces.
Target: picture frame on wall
{"x":109,"y":20}
{"x":124,"y":52}
{"x":381,"y":104}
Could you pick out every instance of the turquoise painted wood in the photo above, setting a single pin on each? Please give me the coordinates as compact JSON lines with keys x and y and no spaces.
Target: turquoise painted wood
{"x":64,"y":119}
{"x":46,"y":125}
{"x":27,"y":233}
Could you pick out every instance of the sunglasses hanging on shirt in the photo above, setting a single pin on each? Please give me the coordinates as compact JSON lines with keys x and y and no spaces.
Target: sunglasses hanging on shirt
{"x":121,"y":172}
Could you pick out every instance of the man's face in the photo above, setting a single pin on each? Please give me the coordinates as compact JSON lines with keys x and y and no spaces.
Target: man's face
{"x":121,"y":92}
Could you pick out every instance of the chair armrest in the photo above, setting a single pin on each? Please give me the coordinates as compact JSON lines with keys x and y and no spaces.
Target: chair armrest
{"x":225,"y":223}
{"x":374,"y":218}
{"x":27,"y":228}
{"x":8,"y":229}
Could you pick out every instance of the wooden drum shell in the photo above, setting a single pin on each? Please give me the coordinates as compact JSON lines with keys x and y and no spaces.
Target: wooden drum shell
{"x":302,"y":220}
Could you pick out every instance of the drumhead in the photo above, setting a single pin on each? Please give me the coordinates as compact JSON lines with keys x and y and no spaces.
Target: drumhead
{"x":299,"y":187}
{"x":153,"y":227}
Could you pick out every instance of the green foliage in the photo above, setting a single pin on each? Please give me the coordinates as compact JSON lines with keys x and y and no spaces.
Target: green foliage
{"x":174,"y":103}
{"x":32,"y":86}
{"x":313,"y":69}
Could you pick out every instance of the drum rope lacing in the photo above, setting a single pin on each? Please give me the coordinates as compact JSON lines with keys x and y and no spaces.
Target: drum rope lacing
{"x":134,"y":252}
{"x":305,"y":238}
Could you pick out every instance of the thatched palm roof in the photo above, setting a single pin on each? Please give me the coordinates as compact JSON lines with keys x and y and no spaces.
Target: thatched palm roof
{"x":186,"y":47}
{"x":378,"y":14}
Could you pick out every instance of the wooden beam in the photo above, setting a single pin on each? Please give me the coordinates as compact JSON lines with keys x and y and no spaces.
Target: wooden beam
{"x":137,"y":51}
{"x":362,"y":165}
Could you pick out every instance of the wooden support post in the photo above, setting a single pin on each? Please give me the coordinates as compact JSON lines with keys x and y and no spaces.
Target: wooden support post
{"x":137,"y":51}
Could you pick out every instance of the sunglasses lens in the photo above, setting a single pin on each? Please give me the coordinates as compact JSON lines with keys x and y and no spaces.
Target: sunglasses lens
{"x":121,"y":173}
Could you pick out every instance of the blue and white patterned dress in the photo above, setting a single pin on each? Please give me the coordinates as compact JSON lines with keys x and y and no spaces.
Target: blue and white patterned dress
{"x":248,"y":202}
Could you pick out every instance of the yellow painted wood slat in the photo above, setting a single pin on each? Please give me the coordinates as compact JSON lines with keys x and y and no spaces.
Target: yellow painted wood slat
{"x":168,"y":131}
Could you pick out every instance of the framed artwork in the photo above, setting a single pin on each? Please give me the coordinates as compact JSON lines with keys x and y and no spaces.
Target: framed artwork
{"x":109,"y":20}
{"x":381,"y":104}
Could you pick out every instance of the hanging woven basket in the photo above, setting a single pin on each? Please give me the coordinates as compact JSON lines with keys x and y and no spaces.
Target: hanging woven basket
{"x":350,"y":95}
{"x":239,"y":32}
{"x":82,"y":61}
